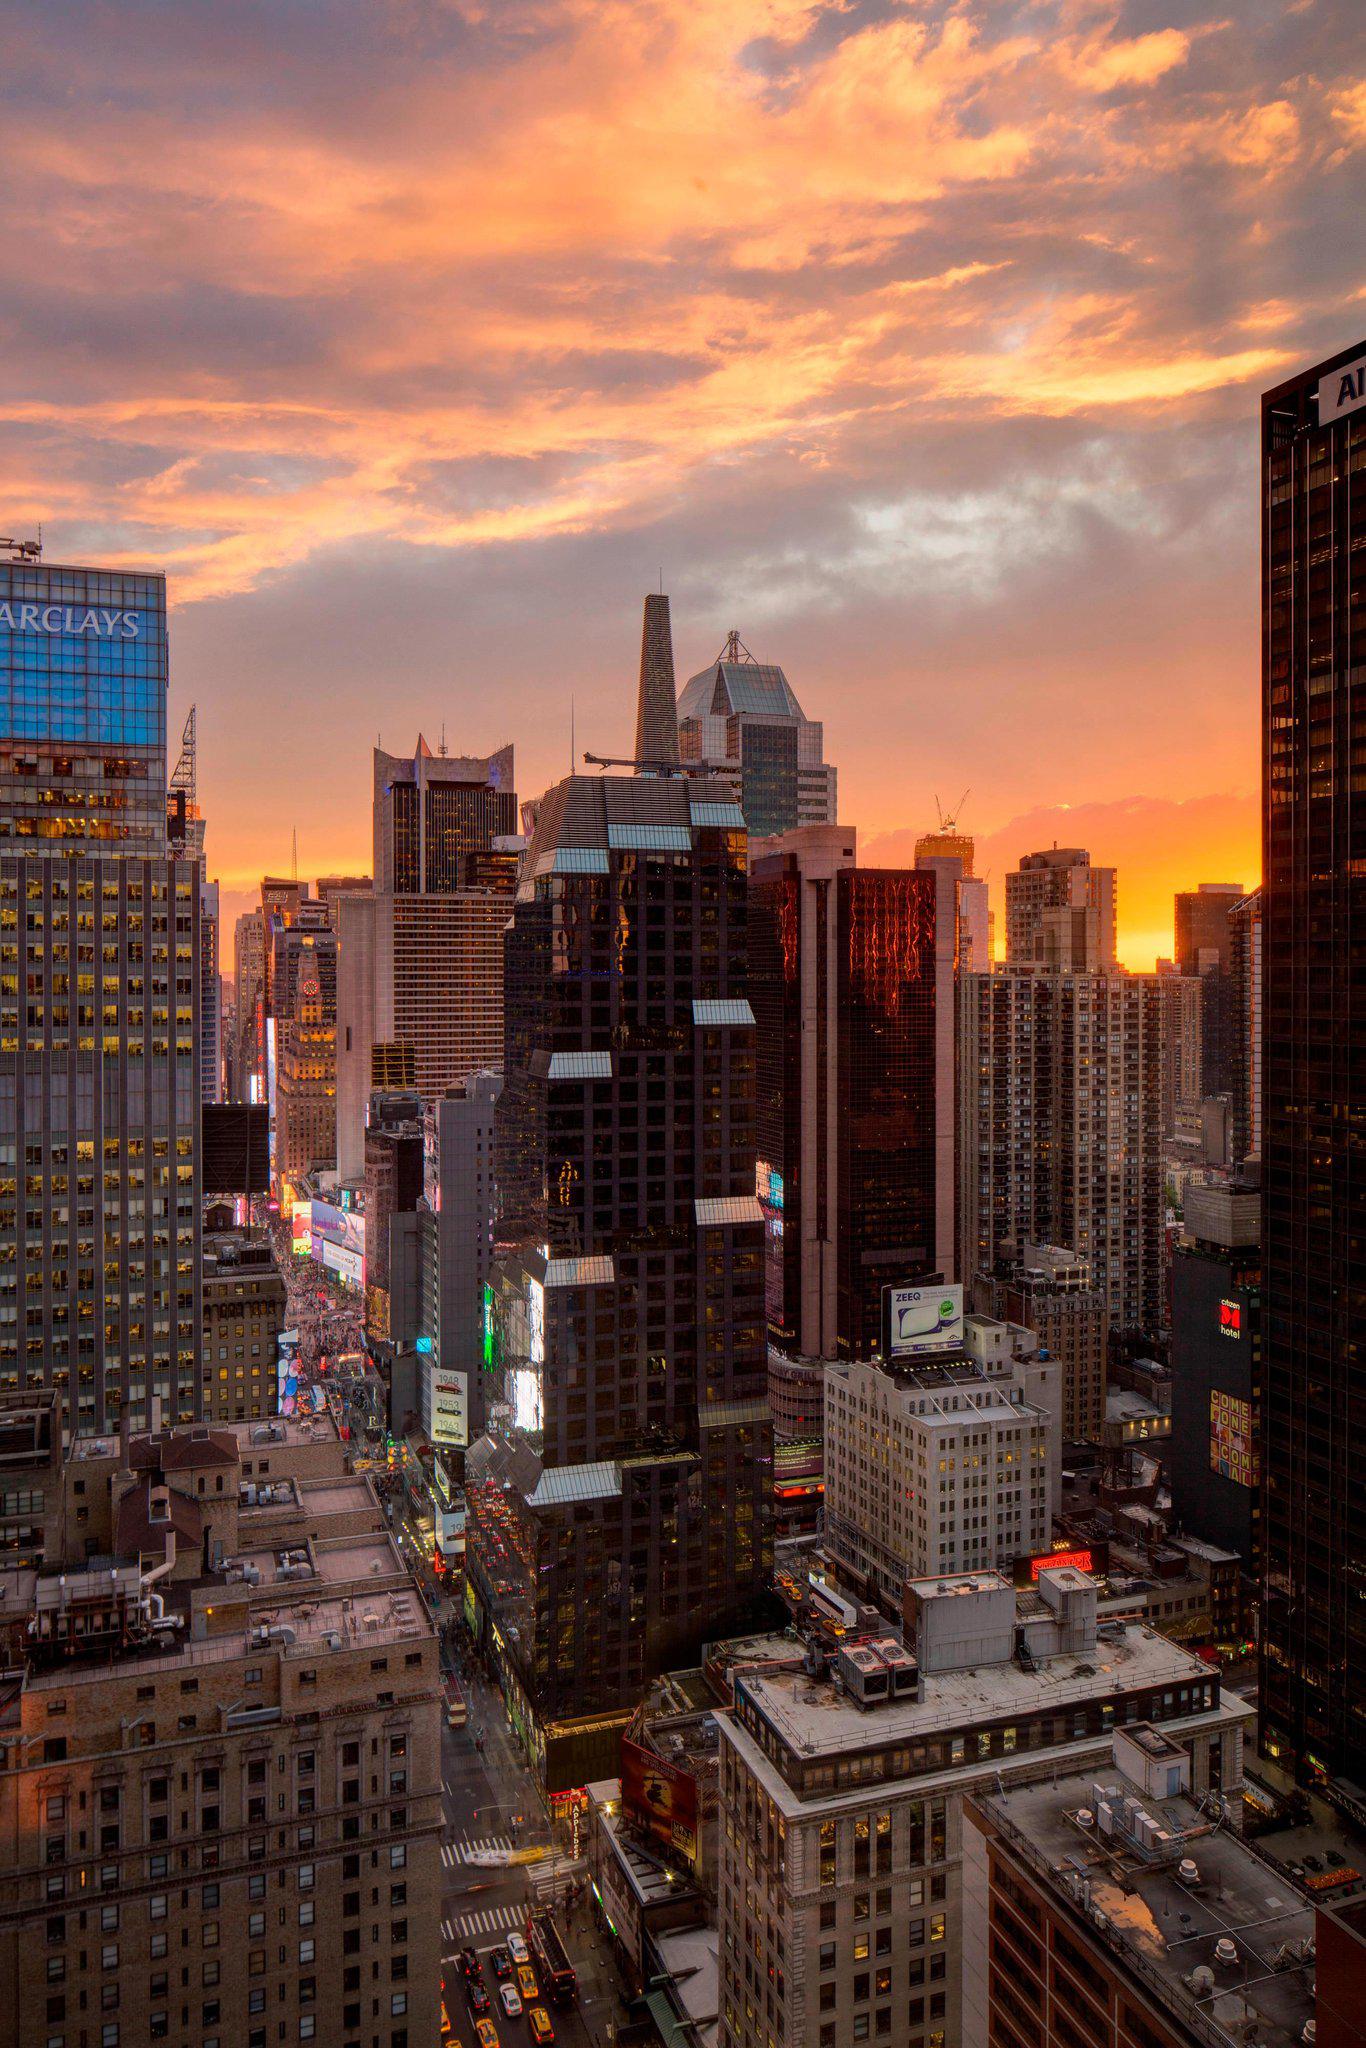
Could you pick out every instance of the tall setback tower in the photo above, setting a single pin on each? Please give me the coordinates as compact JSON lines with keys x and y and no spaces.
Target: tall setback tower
{"x":620,"y":1504}
{"x":1313,"y":1640}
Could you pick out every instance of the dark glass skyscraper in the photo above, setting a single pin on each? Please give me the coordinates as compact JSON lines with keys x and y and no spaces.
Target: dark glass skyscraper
{"x":1313,"y":1671}
{"x":620,"y":1506}
{"x":856,"y":1108}
{"x":99,"y":1006}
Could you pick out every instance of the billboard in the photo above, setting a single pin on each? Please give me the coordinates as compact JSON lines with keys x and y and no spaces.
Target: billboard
{"x":338,"y":1258}
{"x":920,"y":1319}
{"x":447,"y":1405}
{"x":1232,"y":1443}
{"x":660,"y":1797}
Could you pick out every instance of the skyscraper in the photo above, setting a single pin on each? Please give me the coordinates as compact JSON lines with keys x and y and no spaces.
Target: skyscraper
{"x":740,"y":721}
{"x":1245,"y":927}
{"x":1313,"y":1640}
{"x":1060,"y":911}
{"x":1061,"y":1100}
{"x":620,"y":1506}
{"x":1204,"y":950}
{"x":422,"y":955}
{"x":854,"y":1002}
{"x":99,"y":1005}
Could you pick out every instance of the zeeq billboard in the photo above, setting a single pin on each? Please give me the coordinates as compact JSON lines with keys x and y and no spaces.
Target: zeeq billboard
{"x":916,"y":1319}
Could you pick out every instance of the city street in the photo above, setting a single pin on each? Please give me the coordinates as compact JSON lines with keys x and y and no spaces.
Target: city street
{"x":492,"y":1808}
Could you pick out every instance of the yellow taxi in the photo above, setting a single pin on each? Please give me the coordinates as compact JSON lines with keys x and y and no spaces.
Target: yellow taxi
{"x":486,"y":2034}
{"x":526,"y":1983}
{"x":542,"y":2033}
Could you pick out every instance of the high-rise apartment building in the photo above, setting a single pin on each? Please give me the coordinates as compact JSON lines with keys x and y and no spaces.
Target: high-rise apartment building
{"x":422,"y":954}
{"x":620,"y":1508}
{"x":1061,"y":1097}
{"x":1245,"y":968}
{"x":1060,"y":911}
{"x":1049,"y":1290}
{"x":853,"y":996}
{"x":1204,"y":950}
{"x":740,"y":721}
{"x":99,"y":1005}
{"x":841,"y":1849}
{"x":1313,"y":1638}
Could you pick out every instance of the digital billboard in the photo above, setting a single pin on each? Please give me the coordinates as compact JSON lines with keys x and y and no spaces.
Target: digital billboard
{"x":447,"y":1405}
{"x":660,"y":1797}
{"x":1232,"y":1442}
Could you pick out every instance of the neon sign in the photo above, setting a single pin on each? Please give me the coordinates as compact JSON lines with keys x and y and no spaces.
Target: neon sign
{"x":1058,"y":1560}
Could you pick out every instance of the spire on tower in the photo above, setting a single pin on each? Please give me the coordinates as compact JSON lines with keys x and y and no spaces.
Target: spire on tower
{"x":656,"y":709}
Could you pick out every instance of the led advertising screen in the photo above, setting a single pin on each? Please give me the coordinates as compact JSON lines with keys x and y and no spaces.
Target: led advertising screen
{"x":660,"y":1797}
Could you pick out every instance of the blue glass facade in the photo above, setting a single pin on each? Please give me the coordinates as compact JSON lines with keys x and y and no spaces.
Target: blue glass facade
{"x":82,"y":656}
{"x":83,"y":683}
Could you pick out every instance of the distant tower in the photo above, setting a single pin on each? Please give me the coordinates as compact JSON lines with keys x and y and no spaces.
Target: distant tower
{"x":656,"y":716}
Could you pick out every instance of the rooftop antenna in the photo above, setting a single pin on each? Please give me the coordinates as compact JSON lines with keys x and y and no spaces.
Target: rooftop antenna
{"x":571,"y":732}
{"x":442,"y":748}
{"x":295,"y":836}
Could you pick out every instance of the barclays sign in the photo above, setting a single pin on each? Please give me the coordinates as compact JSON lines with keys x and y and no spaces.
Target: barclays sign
{"x":79,"y":620}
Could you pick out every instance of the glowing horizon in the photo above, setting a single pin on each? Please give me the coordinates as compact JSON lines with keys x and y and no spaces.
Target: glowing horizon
{"x":920,"y":340}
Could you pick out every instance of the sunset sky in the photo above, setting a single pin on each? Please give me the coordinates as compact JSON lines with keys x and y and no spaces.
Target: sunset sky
{"x":921,"y":343}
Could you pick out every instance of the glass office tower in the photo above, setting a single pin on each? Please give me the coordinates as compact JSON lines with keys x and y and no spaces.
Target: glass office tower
{"x":620,"y":1505}
{"x":99,"y":1006}
{"x":1313,"y":1647}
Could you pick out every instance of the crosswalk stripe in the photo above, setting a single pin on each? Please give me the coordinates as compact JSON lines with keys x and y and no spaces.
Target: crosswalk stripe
{"x":488,"y":1920}
{"x":462,"y":1848}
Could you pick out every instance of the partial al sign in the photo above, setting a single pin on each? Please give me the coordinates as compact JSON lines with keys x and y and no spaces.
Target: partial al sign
{"x":1342,"y":391}
{"x":923,"y":1319}
{"x":92,"y":622}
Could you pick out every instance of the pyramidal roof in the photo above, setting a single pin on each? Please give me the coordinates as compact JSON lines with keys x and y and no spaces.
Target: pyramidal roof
{"x":729,"y":689}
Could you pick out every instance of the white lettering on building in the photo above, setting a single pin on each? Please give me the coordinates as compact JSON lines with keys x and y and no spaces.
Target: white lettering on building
{"x":71,"y":618}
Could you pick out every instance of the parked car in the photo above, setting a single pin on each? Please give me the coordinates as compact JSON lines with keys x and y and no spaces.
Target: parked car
{"x":512,"y":2000}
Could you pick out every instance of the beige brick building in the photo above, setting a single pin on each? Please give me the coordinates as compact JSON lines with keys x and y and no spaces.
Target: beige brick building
{"x":220,"y":1779}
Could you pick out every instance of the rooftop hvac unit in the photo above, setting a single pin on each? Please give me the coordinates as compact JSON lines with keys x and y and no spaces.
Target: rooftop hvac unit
{"x":863,"y":1674}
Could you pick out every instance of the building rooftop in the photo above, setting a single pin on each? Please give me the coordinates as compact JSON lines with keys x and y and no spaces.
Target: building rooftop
{"x":1168,"y":1929}
{"x":281,"y":1430}
{"x":815,"y":1717}
{"x":758,"y":689}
